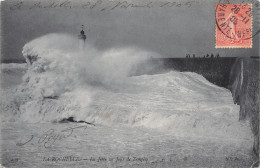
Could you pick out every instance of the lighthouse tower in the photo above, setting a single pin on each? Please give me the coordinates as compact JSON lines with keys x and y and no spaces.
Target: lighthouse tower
{"x":82,"y":38}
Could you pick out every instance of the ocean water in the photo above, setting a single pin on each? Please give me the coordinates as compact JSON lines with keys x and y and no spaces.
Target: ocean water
{"x":172,"y":115}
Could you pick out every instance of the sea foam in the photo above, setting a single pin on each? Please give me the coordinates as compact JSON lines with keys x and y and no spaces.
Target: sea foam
{"x":96,"y":86}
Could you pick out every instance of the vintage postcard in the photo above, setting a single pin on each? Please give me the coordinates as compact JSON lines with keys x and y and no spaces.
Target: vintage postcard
{"x":129,"y":84}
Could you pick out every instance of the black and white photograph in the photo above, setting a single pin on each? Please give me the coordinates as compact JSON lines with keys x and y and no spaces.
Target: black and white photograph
{"x":129,"y":83}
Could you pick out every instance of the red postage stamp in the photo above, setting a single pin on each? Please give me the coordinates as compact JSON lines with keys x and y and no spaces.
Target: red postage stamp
{"x":233,"y":26}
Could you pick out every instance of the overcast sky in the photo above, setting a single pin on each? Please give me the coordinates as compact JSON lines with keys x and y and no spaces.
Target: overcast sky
{"x":170,"y":30}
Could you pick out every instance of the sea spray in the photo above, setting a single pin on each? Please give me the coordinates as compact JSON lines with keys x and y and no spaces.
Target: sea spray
{"x":60,"y":65}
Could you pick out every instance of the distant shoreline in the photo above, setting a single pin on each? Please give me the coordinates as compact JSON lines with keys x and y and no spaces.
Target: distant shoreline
{"x":13,"y":61}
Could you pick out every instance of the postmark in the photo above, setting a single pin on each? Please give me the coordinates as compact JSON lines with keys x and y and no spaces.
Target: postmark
{"x":233,"y":26}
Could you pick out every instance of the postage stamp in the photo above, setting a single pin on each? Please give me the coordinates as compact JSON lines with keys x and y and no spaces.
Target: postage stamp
{"x":233,"y":26}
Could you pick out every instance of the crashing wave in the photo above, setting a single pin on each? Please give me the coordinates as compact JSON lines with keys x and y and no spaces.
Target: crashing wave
{"x":97,"y":87}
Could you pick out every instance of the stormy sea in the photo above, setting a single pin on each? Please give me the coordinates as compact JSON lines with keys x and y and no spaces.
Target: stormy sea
{"x":86,"y":107}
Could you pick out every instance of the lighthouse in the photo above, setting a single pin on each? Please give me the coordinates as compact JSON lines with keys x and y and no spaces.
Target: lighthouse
{"x":82,"y":38}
